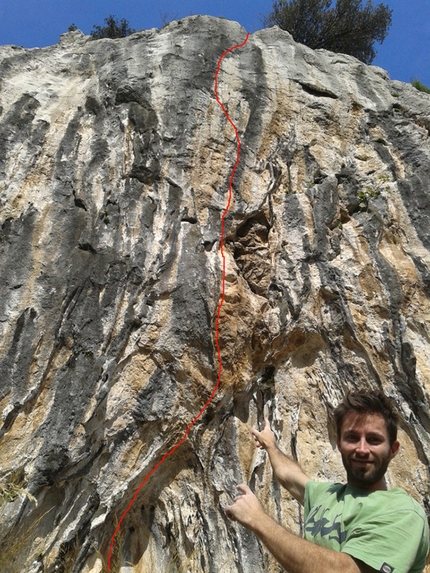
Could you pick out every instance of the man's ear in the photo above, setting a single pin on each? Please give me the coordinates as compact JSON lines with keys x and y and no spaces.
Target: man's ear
{"x":395,"y":449}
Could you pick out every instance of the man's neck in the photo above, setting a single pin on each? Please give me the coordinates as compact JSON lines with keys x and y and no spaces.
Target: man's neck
{"x":381,"y":485}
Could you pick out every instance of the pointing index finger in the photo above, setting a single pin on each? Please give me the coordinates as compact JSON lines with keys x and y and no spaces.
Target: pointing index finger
{"x":243,"y":488}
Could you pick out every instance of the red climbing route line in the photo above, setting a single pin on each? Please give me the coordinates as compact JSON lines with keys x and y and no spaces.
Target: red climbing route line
{"x":230,"y":195}
{"x":217,"y":344}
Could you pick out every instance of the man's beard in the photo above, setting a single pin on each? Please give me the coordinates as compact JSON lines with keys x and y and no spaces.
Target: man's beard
{"x":365,"y":475}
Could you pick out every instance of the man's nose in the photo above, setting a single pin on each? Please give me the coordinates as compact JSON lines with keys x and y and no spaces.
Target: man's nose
{"x":362,"y":446}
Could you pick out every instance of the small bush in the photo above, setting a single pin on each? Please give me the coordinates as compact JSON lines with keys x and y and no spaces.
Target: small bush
{"x":14,"y":488}
{"x":373,"y":192}
{"x":421,"y":87}
{"x":114,"y":29}
{"x":166,"y":18}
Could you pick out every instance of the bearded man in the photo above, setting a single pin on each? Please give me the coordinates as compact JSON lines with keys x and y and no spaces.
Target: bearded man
{"x":357,"y":527}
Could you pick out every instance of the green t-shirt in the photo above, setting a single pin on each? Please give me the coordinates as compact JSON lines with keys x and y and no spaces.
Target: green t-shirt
{"x":388,"y":530}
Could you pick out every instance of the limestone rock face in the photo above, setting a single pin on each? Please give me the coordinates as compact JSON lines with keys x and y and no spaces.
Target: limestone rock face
{"x":115,"y":161}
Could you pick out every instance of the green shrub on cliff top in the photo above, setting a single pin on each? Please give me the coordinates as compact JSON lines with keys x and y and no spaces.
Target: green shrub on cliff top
{"x":347,"y":27}
{"x":114,"y":29}
{"x":419,"y":86}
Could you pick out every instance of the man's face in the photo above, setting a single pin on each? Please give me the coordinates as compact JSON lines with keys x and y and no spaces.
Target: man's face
{"x":365,"y":450}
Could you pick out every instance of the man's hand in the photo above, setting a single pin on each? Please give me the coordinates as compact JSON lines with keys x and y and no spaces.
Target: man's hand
{"x":246,"y":508}
{"x":286,"y":471}
{"x":266,"y":438}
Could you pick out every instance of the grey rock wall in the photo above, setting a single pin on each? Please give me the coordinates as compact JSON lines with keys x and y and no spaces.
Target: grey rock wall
{"x":114,"y":168}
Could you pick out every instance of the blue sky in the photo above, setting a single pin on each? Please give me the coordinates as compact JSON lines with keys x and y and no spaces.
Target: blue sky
{"x":405,"y":52}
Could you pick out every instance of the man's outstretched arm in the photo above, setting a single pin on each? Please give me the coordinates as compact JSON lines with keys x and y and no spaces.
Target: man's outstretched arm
{"x":287,"y":472}
{"x":295,"y":554}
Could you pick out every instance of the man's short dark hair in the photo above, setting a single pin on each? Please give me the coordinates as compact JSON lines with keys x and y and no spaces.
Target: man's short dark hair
{"x":368,"y":402}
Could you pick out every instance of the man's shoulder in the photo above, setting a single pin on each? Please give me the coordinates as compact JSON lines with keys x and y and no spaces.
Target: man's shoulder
{"x":400,"y":500}
{"x":396,"y":499}
{"x":315,"y":489}
{"x":329,"y":486}
{"x":385,"y":502}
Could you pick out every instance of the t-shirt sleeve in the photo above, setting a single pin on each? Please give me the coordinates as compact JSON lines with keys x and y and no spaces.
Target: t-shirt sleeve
{"x":312,"y":490}
{"x":390,"y":542}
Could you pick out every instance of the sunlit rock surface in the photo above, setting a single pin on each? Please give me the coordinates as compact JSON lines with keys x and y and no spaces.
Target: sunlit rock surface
{"x":115,"y":161}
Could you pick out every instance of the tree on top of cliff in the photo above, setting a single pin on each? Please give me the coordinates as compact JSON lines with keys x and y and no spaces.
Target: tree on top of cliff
{"x":347,"y":27}
{"x":114,"y":29}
